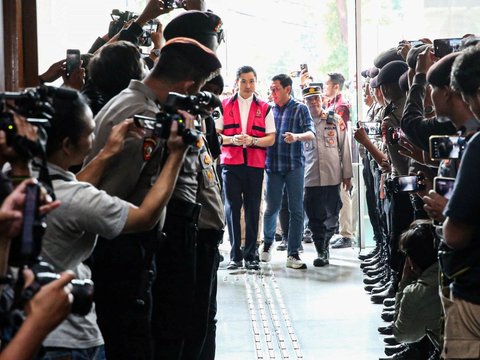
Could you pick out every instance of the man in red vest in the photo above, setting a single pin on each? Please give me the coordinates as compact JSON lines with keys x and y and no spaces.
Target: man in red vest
{"x":247,"y":129}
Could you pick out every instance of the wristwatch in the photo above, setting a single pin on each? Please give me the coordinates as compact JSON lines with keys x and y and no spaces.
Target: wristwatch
{"x":155,"y":52}
{"x":254,"y":141}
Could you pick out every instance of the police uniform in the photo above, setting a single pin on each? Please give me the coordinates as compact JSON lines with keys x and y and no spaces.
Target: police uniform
{"x":327,"y":162}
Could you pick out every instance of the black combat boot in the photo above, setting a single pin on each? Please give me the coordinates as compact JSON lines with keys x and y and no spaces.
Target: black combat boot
{"x":322,"y":253}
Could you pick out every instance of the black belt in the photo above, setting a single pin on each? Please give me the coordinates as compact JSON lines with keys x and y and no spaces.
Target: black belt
{"x":183,"y":208}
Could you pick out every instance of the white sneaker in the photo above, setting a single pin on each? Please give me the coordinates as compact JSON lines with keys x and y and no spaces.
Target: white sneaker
{"x":266,"y":254}
{"x":295,"y":262}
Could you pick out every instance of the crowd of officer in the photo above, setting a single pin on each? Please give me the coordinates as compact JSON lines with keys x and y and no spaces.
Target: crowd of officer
{"x":423,"y":101}
{"x":138,"y":203}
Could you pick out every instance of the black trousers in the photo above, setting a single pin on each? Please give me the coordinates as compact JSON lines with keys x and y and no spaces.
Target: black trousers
{"x":123,"y":272}
{"x":373,"y":214}
{"x":242,"y":186}
{"x":322,"y":205}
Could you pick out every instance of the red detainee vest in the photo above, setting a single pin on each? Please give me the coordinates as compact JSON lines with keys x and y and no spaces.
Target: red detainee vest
{"x":232,"y":125}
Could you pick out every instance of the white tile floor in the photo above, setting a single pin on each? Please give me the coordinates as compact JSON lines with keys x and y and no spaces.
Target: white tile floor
{"x":331,"y":316}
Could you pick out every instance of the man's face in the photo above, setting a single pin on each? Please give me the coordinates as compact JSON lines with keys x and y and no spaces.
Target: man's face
{"x":438,"y":99}
{"x":367,"y":96}
{"x":473,"y":102}
{"x":314,"y":104}
{"x":331,"y":89}
{"x":280,"y":94}
{"x":246,"y":84}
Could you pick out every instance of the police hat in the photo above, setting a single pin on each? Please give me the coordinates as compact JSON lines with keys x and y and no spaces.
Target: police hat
{"x":403,"y":81}
{"x":391,"y":72}
{"x":364,"y":73}
{"x":372,"y":72}
{"x":373,"y":82}
{"x":311,"y":91}
{"x":413,"y":53}
{"x":203,"y":26}
{"x":385,"y":57}
{"x":198,"y":54}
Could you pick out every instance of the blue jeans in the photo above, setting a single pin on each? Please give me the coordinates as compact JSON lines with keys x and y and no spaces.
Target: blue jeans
{"x":293,"y":182}
{"x":93,"y":353}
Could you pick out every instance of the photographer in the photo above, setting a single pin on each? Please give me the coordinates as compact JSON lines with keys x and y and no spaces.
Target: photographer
{"x":51,"y":304}
{"x":85,"y":211}
{"x":124,"y":302}
{"x":460,"y":261}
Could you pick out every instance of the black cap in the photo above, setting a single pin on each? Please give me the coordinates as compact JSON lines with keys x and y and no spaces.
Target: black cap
{"x":403,"y":81}
{"x":439,"y":73}
{"x":311,"y":91}
{"x":373,"y":82}
{"x":364,"y":73}
{"x":198,"y":54}
{"x":391,"y":72}
{"x":385,"y":57}
{"x":413,"y":53}
{"x":372,"y":72}
{"x":203,"y":26}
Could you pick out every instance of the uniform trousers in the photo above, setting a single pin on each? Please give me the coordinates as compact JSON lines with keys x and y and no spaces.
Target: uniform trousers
{"x":322,"y":205}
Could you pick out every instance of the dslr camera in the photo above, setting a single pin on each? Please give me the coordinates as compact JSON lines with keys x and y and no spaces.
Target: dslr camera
{"x":199,"y":104}
{"x":119,"y":18}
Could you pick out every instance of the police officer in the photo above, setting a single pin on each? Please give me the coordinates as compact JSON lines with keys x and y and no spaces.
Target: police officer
{"x":328,"y":163}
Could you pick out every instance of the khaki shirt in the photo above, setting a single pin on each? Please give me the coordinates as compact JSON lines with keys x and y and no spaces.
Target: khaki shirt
{"x":328,"y":159}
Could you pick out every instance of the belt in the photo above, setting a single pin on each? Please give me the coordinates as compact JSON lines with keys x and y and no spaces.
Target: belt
{"x":184,"y":209}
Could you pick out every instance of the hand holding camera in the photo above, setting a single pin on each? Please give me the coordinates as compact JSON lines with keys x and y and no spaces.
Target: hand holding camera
{"x":425,"y":61}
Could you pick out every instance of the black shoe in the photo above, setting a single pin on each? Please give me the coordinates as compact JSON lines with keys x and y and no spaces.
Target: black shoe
{"x":389,"y":302}
{"x":410,"y":353}
{"x":388,"y":308}
{"x":252,"y":265}
{"x":307,"y":236}
{"x":386,"y":330}
{"x":378,"y":298}
{"x":278,"y":237}
{"x":371,"y":261}
{"x":381,"y":288}
{"x":322,"y":259}
{"x":369,"y":255}
{"x":374,"y":279}
{"x":388,"y":316}
{"x":394,"y":349}
{"x":390,"y":340}
{"x":342,"y":243}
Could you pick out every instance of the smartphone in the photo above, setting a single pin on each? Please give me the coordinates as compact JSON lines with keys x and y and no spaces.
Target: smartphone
{"x":444,"y":147}
{"x":442,"y":47}
{"x":145,"y":39}
{"x":394,"y":135}
{"x":414,"y":43}
{"x":304,"y":67}
{"x":372,"y":128}
{"x":444,"y":186}
{"x":73,"y":60}
{"x":174,"y":4}
{"x":408,"y":183}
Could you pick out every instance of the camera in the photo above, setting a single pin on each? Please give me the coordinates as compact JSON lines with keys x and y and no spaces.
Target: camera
{"x":408,"y":183}
{"x":331,"y":117}
{"x":25,"y":249}
{"x":82,"y":290}
{"x":372,"y":128}
{"x":199,"y":104}
{"x":119,"y":19}
{"x":446,"y":147}
{"x":394,"y":135}
{"x":442,"y":47}
{"x":303,"y":67}
{"x":35,"y":105}
{"x":444,"y":186}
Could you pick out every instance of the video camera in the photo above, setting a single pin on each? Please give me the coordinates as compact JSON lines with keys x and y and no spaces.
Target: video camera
{"x":121,"y":17}
{"x":35,"y":105}
{"x":199,"y":104}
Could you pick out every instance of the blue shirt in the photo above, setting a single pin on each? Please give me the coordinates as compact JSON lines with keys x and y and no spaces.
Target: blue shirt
{"x":293,"y":117}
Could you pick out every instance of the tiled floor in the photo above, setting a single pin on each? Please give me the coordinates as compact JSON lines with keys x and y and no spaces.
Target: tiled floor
{"x":318,"y":313}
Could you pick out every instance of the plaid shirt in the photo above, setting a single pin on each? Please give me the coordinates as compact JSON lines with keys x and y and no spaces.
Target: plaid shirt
{"x":293,"y":117}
